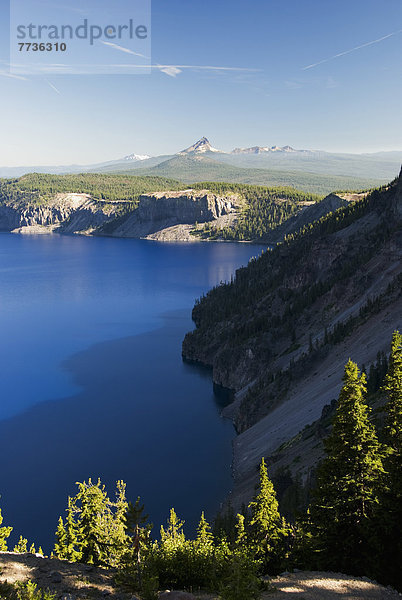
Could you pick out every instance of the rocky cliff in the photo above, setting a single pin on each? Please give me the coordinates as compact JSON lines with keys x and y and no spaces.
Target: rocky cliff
{"x":163,"y":210}
{"x":68,"y":213}
{"x":80,"y":213}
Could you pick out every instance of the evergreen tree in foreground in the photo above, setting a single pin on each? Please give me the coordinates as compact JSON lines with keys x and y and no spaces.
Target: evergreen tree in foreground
{"x":67,"y":536}
{"x":204,"y":540}
{"x":137,"y":532}
{"x":4,"y":534}
{"x":94,"y":531}
{"x":388,"y":559}
{"x":346,"y":496}
{"x":267,"y":529}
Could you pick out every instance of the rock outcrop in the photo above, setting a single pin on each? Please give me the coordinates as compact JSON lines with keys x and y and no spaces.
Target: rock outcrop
{"x":80,"y":213}
{"x":162,"y":210}
{"x":65,"y":213}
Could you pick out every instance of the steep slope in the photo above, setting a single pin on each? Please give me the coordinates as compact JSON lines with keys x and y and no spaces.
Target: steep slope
{"x":280,"y":333}
{"x":307,"y":215}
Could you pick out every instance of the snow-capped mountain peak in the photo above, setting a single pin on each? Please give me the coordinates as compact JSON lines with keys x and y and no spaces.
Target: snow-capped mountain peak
{"x":264,"y":149}
{"x":203,"y":145}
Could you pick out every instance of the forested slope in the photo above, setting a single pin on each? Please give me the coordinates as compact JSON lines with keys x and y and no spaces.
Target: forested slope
{"x":280,"y":331}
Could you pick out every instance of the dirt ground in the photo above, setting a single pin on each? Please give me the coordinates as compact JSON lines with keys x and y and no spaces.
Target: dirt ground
{"x":329,"y":586}
{"x":68,"y":580}
{"x":75,"y":581}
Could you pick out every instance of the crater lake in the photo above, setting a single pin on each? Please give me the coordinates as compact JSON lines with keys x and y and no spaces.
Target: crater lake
{"x":93,"y":382}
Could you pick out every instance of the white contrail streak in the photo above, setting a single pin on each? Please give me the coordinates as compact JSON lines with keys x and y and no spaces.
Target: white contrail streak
{"x":12,"y":76}
{"x":122,"y":49}
{"x":53,"y":87}
{"x":320,"y":62}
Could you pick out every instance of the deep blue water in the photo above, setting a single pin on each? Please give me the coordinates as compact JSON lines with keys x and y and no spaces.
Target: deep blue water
{"x":93,"y":384}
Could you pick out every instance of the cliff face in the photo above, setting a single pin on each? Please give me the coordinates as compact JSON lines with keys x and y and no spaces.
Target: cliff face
{"x":79,"y":213}
{"x":160,"y":211}
{"x":69,"y":213}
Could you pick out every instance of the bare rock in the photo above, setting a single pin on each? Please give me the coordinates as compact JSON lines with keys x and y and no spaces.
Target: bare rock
{"x":55,"y":577}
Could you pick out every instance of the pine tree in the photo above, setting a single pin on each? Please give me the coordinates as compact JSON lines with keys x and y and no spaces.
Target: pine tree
{"x":204,"y":540}
{"x":94,"y":511}
{"x":115,"y":526}
{"x":267,"y":529}
{"x":94,"y":530}
{"x":347,"y":482}
{"x":388,"y":559}
{"x":67,"y":536}
{"x":72,"y":531}
{"x":241,"y":536}
{"x":393,"y":389}
{"x":4,"y":534}
{"x":173,"y":536}
{"x":137,"y":533}
{"x":21,"y":546}
{"x":60,"y":543}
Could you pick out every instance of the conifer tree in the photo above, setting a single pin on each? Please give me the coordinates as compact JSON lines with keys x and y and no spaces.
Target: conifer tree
{"x":267,"y":529}
{"x":94,"y":509}
{"x":347,"y":483}
{"x":4,"y":534}
{"x":67,"y":536}
{"x":137,"y":533}
{"x":115,"y":525}
{"x":21,"y":546}
{"x":241,"y":536}
{"x":94,"y":530}
{"x":173,"y":536}
{"x":60,"y":543}
{"x":72,"y":530}
{"x":204,"y":540}
{"x":388,"y":559}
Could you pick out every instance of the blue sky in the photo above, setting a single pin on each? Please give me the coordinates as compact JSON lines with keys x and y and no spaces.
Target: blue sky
{"x":350,"y":102}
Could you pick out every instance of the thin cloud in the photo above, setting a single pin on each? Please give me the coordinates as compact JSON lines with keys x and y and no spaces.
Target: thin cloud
{"x":122,"y":49}
{"x":320,"y":62}
{"x":12,"y":76}
{"x":53,"y":87}
{"x":173,"y":70}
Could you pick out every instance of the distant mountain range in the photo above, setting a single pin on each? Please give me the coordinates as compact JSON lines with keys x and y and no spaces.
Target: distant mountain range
{"x":310,"y":170}
{"x":137,"y":157}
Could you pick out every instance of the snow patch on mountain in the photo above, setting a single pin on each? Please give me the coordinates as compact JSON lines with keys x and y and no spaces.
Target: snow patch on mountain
{"x":136,"y":157}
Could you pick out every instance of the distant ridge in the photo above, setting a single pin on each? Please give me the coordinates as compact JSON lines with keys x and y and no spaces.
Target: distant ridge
{"x":137,"y":157}
{"x":266,"y":149}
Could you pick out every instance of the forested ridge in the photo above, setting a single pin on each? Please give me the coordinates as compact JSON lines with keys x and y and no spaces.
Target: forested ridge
{"x":264,"y":209}
{"x":259,"y":209}
{"x":40,"y":188}
{"x":353,"y":522}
